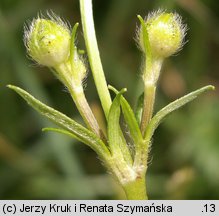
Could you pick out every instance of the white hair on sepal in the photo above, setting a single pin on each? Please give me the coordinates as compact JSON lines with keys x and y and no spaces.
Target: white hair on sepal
{"x":166,"y":32}
{"x":154,"y":14}
{"x":47,"y":39}
{"x":184,"y":29}
{"x":55,"y":18}
{"x":151,"y":15}
{"x":136,"y":37}
{"x":50,"y":15}
{"x":28,"y":28}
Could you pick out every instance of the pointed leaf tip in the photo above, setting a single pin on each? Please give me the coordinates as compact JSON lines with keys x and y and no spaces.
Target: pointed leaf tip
{"x":61,"y":131}
{"x":130,"y":120}
{"x":117,"y":92}
{"x":211,"y":87}
{"x":70,"y":126}
{"x":116,"y":138}
{"x":140,"y":19}
{"x":10,"y":86}
{"x":156,"y":120}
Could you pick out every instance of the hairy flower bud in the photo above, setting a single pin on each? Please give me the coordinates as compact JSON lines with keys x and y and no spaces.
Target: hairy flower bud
{"x":48,"y":41}
{"x":166,"y":34}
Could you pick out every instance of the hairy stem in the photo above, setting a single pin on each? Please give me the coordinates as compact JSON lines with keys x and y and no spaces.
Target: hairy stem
{"x":83,"y":107}
{"x":93,"y":54}
{"x":149,"y":98}
{"x":77,"y":93}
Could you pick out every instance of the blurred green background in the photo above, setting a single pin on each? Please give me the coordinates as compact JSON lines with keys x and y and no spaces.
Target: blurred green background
{"x":184,"y":159}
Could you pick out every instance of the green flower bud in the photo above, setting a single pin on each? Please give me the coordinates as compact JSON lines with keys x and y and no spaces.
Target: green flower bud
{"x":166,"y":34}
{"x":48,"y":41}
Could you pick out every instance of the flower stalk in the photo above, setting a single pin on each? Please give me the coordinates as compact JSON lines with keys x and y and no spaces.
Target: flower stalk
{"x":76,"y":91}
{"x":50,"y":43}
{"x":160,"y":35}
{"x":148,"y":106}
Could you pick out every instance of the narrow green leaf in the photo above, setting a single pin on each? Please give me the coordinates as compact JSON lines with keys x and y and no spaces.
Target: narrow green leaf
{"x":156,"y":120}
{"x":80,"y":132}
{"x":147,"y":46}
{"x":117,"y":142}
{"x":141,"y":147}
{"x":73,"y":48}
{"x":131,"y":121}
{"x":61,"y":131}
{"x":139,"y":108}
{"x":73,"y":37}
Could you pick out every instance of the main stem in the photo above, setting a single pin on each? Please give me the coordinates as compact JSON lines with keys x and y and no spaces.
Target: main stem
{"x":136,"y":190}
{"x":93,"y":54}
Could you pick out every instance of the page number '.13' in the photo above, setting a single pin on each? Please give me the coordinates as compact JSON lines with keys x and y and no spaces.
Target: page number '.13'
{"x":209,"y":208}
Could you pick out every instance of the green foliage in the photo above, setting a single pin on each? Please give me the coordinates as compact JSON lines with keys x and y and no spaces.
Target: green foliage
{"x":184,"y":147}
{"x":156,"y":120}
{"x":131,"y":122}
{"x":139,"y":108}
{"x":114,"y":127}
{"x":78,"y":131}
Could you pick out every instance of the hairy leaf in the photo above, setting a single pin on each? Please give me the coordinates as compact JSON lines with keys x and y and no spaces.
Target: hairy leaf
{"x":131,"y":121}
{"x":146,"y":42}
{"x":156,"y":120}
{"x":113,"y":130}
{"x":78,"y":131}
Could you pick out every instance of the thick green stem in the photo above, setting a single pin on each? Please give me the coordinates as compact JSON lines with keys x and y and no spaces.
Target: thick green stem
{"x":93,"y":54}
{"x":136,"y":190}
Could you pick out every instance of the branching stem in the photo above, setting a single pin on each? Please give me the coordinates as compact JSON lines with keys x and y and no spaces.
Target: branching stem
{"x":77,"y":93}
